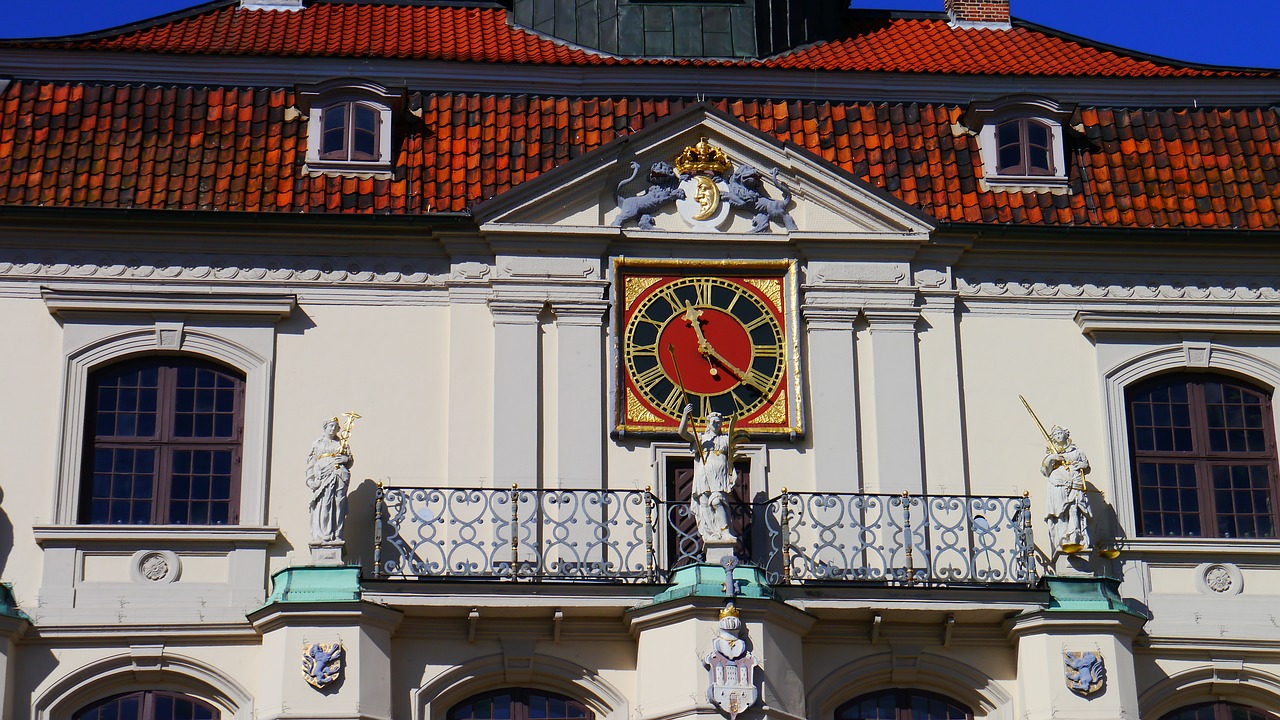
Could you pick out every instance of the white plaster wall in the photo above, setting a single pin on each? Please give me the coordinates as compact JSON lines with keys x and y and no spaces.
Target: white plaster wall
{"x":30,"y":373}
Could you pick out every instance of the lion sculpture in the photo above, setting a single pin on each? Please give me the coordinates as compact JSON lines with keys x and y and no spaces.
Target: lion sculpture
{"x":664,"y":187}
{"x":747,"y":192}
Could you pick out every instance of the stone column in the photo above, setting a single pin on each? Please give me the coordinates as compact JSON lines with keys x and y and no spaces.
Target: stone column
{"x":516,"y":404}
{"x":899,"y":450}
{"x":580,"y":403}
{"x":1085,"y":615}
{"x":833,"y":402}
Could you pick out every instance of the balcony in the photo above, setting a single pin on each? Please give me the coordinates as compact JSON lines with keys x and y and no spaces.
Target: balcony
{"x":633,"y":536}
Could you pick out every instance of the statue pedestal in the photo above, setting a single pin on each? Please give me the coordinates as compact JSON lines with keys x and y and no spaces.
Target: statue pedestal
{"x":718,"y":550}
{"x":327,"y":553}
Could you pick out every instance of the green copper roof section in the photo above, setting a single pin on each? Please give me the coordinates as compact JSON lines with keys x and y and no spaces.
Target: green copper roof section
{"x":1086,"y":594}
{"x":707,"y":580}
{"x":314,"y":584}
{"x":8,"y":605}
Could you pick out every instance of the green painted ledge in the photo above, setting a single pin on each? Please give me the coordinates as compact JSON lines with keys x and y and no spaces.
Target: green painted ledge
{"x":1085,"y":594}
{"x":8,"y":605}
{"x":313,"y":584}
{"x":707,"y":580}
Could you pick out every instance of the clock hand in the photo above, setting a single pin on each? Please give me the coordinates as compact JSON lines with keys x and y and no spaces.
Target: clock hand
{"x":742,"y":376}
{"x":692,"y":316}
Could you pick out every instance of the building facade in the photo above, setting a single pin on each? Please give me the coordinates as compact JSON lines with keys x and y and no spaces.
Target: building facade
{"x":350,"y":346}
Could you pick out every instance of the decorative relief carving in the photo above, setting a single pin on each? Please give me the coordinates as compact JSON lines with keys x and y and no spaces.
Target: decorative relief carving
{"x":317,"y":270}
{"x":637,"y":412}
{"x":637,"y":285}
{"x":770,"y":287}
{"x":1122,"y":288}
{"x":1219,"y":579}
{"x":777,"y":412}
{"x":154,"y":567}
{"x":930,"y":278}
{"x":1086,"y":672}
{"x":322,"y":664}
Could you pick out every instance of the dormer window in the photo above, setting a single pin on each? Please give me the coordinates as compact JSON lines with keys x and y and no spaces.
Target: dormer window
{"x":350,"y":132}
{"x":350,"y":126}
{"x":1021,"y":142}
{"x":1024,"y":146}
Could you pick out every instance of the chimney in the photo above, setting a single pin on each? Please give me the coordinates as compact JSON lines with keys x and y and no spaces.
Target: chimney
{"x":978,"y":13}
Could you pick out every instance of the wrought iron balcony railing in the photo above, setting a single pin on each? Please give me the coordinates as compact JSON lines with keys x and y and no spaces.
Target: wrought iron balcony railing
{"x":633,"y":536}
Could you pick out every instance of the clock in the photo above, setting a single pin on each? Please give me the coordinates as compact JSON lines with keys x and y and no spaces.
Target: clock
{"x":716,"y":335}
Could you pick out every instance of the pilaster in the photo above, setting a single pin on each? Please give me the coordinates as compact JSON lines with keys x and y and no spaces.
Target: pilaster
{"x":941,"y":405}
{"x":580,"y":403}
{"x":516,"y":405}
{"x":1085,"y":616}
{"x":895,"y":367}
{"x":834,"y":400}
{"x":321,"y":605}
{"x":13,"y":623}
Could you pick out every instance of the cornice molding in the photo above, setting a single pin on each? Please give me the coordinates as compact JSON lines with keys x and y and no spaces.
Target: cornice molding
{"x":1160,"y":320}
{"x":627,"y":80}
{"x":314,"y":270}
{"x":63,"y":301}
{"x":1103,"y":287}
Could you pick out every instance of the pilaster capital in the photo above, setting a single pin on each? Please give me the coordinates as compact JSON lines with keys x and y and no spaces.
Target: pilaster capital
{"x":515,"y":311}
{"x":826,"y":317}
{"x":892,"y":319}
{"x":588,"y":313}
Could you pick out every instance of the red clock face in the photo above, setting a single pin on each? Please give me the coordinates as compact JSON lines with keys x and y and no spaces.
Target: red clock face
{"x":717,"y":342}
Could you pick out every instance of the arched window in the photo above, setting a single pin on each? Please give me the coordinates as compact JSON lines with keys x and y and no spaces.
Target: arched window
{"x":350,"y":131}
{"x":902,"y":704}
{"x":1204,"y":457}
{"x":1218,"y":711}
{"x":163,"y":443}
{"x":520,"y":704}
{"x":1023,"y":147}
{"x":148,"y":705}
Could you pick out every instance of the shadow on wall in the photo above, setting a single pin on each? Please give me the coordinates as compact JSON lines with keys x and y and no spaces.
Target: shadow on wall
{"x":6,"y":536}
{"x":359,"y":526}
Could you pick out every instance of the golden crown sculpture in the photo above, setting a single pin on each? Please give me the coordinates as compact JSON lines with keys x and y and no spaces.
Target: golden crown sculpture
{"x":703,"y":157}
{"x":728,"y":611}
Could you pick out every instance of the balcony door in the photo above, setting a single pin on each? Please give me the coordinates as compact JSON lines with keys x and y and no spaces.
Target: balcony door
{"x":684,"y":545}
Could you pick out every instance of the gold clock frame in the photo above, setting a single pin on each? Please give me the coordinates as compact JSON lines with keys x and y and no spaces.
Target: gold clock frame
{"x":786,"y":270}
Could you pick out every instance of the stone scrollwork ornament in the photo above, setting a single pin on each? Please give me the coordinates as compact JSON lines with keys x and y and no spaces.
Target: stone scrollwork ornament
{"x":1086,"y":672}
{"x":730,"y":667}
{"x":322,"y":664}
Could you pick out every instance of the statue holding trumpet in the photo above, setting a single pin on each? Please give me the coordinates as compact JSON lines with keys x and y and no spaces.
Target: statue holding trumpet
{"x":1068,"y":514}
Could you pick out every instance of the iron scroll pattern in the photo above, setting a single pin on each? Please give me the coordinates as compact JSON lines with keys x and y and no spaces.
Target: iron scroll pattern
{"x":632,"y":536}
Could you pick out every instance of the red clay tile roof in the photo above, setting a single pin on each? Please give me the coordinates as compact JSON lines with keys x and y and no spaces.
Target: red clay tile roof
{"x":231,"y":149}
{"x":914,"y":44}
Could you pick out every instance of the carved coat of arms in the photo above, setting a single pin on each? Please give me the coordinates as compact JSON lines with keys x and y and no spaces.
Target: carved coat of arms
{"x":730,"y":667}
{"x":705,"y":187}
{"x":1086,"y":672}
{"x":322,"y":664}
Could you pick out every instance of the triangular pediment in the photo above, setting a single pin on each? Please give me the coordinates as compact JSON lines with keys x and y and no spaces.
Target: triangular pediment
{"x":583,"y":196}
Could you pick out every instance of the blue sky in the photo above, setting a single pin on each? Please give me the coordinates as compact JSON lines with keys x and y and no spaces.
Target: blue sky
{"x":1228,"y":32}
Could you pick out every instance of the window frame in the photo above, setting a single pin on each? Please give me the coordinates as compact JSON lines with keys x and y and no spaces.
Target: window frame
{"x":164,"y":442}
{"x":1221,"y":710}
{"x":1024,"y":167}
{"x":902,"y":704}
{"x":984,"y":118}
{"x":146,"y":710}
{"x":519,"y":708}
{"x":348,"y":95}
{"x":346,"y":151}
{"x":1203,"y":458}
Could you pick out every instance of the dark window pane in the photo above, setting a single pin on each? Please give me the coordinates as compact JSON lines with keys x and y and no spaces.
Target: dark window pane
{"x":1225,"y":488}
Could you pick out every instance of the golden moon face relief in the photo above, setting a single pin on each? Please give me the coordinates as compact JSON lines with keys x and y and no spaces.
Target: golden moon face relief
{"x":707,"y":195}
{"x":702,"y":206}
